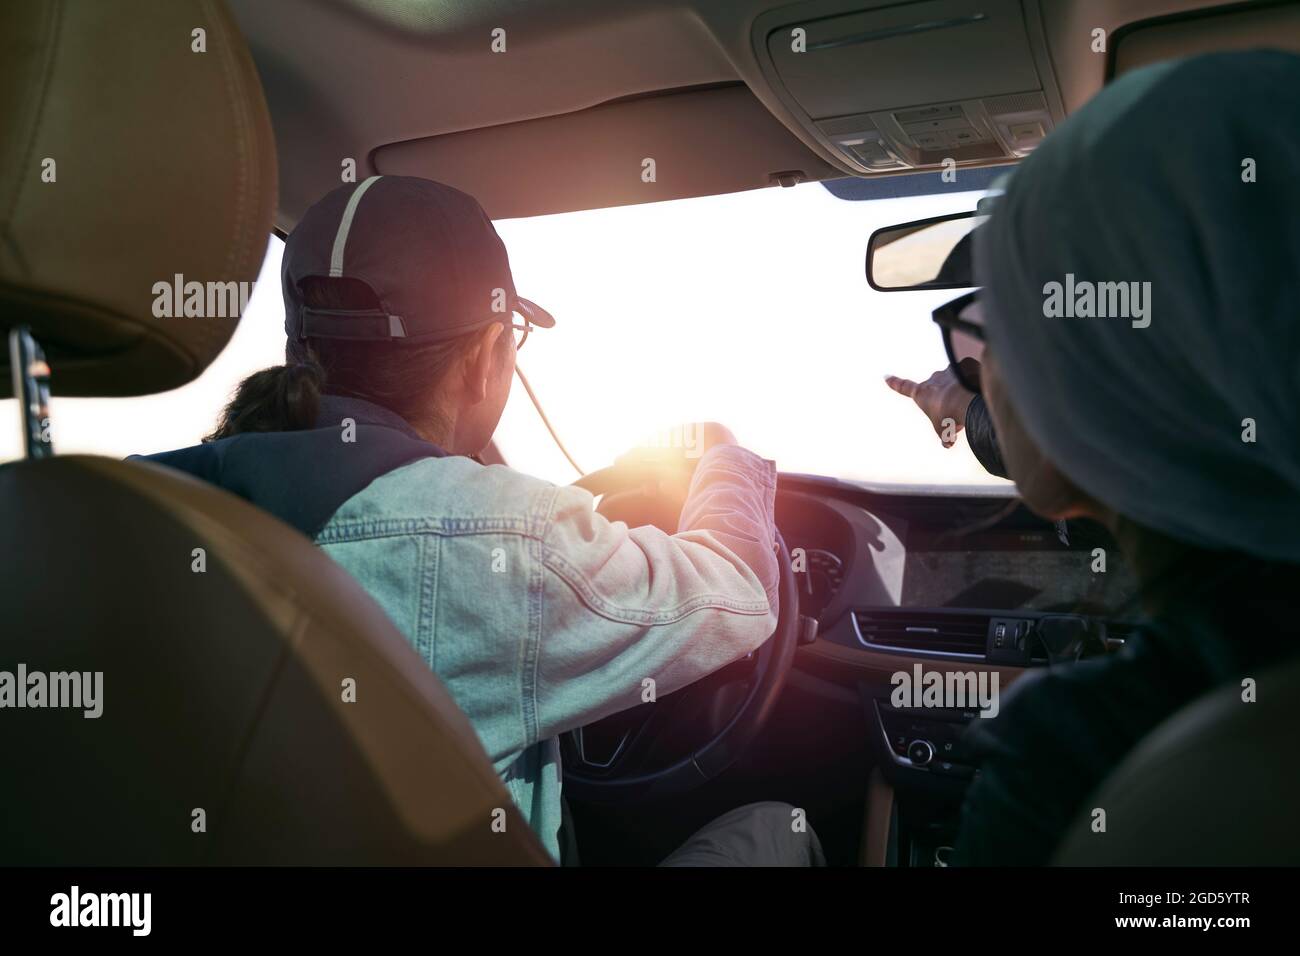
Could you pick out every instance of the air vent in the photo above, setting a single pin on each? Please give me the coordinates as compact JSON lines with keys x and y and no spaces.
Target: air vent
{"x":924,"y":632}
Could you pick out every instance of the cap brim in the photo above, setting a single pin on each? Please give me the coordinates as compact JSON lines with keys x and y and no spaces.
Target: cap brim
{"x":534,"y":313}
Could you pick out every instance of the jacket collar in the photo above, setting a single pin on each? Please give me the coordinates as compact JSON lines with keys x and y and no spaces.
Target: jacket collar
{"x":333,"y":408}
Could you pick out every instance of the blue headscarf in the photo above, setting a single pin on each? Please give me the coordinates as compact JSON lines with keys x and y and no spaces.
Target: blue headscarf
{"x":1148,"y":183}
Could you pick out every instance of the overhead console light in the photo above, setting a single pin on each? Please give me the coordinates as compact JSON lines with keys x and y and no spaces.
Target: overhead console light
{"x":915,"y":85}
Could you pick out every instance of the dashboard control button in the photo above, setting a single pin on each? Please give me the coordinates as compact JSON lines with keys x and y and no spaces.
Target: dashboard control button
{"x":950,"y":769}
{"x":920,"y":752}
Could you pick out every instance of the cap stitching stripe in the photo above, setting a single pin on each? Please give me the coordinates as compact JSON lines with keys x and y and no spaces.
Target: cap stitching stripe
{"x":341,"y":239}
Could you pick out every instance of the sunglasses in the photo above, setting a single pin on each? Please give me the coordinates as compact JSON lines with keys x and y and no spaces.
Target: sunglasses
{"x":962,"y":327}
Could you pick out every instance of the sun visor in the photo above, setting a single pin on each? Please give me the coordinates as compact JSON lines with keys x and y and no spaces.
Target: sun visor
{"x":698,"y":142}
{"x":1241,"y":28}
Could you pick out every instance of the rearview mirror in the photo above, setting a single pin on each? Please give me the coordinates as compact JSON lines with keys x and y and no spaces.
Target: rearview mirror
{"x":925,"y":254}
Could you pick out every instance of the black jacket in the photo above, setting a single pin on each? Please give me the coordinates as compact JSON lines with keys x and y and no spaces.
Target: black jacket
{"x":303,"y":477}
{"x":982,"y":438}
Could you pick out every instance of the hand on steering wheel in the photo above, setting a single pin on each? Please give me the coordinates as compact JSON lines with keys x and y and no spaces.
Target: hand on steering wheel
{"x":663,"y":468}
{"x":632,"y":773}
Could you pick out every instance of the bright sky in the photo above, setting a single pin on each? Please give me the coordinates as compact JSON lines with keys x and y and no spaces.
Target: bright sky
{"x":751,"y":309}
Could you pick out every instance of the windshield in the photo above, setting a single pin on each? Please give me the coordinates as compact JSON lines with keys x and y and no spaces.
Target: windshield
{"x":751,"y":309}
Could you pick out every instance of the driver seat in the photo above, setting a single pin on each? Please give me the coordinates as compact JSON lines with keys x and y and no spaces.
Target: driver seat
{"x":257,"y":706}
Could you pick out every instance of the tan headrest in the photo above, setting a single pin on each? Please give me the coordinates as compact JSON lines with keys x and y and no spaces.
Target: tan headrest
{"x":127,"y":159}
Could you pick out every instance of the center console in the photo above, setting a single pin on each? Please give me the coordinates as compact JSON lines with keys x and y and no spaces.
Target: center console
{"x":928,"y":613}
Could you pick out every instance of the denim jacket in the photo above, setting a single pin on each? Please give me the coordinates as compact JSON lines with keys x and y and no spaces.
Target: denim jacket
{"x":537,"y":613}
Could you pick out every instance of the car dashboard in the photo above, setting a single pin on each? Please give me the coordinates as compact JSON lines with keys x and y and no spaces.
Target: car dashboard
{"x":915,"y":584}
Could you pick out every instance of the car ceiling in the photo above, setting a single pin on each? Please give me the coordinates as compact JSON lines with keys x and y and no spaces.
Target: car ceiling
{"x":585,"y":91}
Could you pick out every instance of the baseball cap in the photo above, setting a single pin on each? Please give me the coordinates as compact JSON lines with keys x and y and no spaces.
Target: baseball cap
{"x":428,"y":252}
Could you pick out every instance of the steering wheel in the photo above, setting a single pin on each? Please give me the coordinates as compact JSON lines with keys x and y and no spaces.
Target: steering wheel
{"x":647,"y":761}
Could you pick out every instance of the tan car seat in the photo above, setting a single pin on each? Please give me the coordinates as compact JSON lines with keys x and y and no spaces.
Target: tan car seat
{"x":225,"y":735}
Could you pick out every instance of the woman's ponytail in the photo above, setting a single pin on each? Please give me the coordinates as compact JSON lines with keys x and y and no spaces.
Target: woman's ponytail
{"x":278,"y":399}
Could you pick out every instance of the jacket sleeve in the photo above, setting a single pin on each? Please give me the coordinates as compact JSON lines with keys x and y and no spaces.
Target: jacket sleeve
{"x":982,"y":438}
{"x":630,"y":614}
